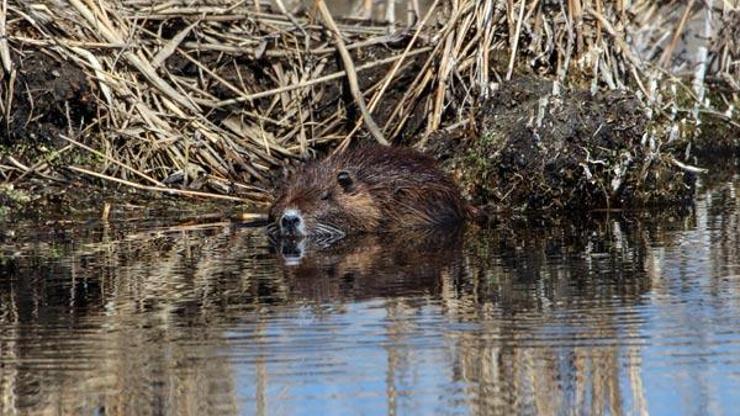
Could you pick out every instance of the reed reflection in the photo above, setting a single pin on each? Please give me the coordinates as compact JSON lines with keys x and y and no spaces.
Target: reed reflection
{"x":208,"y":318}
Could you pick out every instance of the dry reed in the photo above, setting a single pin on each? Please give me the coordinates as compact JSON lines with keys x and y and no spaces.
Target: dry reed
{"x":212,"y":95}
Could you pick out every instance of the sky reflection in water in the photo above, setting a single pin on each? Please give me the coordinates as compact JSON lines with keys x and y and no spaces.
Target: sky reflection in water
{"x":620,"y":316}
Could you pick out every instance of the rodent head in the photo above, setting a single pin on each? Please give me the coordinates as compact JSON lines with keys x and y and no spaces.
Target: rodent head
{"x":323,"y":200}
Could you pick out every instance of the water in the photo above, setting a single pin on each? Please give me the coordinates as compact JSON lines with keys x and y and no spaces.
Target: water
{"x":627,"y":314}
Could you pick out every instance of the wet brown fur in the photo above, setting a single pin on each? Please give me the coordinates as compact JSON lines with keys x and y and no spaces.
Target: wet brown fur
{"x":393,"y":188}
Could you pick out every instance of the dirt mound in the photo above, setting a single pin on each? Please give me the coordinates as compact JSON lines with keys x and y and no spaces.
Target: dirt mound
{"x":50,"y":96}
{"x":535,"y":150}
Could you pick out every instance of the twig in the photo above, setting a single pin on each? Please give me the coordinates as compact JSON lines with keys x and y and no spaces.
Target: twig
{"x":4,"y":50}
{"x":668,"y":53}
{"x":351,"y":73}
{"x":114,"y":161}
{"x":702,"y":54}
{"x":688,"y":168}
{"x":394,"y":70}
{"x":41,"y":163}
{"x":314,"y":81}
{"x":27,"y":170}
{"x":516,"y":40}
{"x":143,"y":66}
{"x":293,"y":20}
{"x":10,"y":91}
{"x":156,"y":188}
{"x":171,"y":46}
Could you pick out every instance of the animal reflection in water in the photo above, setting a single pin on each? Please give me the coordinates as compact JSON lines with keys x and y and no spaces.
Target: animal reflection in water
{"x":372,"y":264}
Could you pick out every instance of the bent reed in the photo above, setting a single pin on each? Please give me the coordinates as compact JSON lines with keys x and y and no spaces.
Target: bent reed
{"x":206,"y":98}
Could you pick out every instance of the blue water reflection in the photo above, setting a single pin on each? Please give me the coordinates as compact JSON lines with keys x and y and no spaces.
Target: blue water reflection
{"x":626,"y":314}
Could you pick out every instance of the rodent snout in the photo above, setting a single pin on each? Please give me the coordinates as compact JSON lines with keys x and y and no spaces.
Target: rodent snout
{"x":291,"y":223}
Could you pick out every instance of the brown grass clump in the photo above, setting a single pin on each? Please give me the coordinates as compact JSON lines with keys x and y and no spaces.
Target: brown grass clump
{"x":206,"y":98}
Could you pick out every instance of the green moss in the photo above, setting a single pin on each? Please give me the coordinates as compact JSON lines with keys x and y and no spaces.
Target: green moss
{"x":10,"y":198}
{"x":10,"y":195}
{"x":479,"y":162}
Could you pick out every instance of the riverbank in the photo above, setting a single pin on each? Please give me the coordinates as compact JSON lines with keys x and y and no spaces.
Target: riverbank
{"x":530,"y":111}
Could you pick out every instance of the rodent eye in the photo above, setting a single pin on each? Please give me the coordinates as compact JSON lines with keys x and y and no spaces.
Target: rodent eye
{"x":345,"y":180}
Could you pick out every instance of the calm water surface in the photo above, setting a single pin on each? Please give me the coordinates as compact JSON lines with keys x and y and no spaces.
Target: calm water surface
{"x":619,"y":315}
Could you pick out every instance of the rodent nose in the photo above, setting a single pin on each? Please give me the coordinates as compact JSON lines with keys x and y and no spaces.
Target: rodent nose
{"x":290,"y":222}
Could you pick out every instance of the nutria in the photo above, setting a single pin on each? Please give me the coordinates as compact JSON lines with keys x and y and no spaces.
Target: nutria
{"x":366,"y":189}
{"x":366,"y":266}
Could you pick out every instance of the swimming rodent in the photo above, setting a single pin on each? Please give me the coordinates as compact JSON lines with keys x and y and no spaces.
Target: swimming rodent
{"x":366,"y":189}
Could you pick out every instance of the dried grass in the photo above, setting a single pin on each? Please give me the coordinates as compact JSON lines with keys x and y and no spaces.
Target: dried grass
{"x":218,"y":93}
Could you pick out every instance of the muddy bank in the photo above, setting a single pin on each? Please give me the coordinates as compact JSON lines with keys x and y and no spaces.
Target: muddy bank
{"x":49,"y":97}
{"x":527,"y":151}
{"x":531,"y":150}
{"x":221,"y":104}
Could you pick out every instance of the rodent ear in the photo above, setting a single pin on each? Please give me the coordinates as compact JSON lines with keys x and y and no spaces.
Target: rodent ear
{"x":345,"y":180}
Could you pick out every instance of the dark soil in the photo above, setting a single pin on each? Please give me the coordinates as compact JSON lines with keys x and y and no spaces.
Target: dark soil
{"x":532,"y":151}
{"x":527,"y":150}
{"x":50,"y":96}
